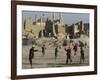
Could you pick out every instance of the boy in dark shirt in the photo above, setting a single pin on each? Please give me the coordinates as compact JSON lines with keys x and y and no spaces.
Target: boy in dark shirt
{"x":68,"y":55}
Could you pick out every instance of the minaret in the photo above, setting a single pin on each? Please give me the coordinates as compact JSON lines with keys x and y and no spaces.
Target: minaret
{"x":41,"y":25}
{"x":82,"y":26}
{"x":24,"y":24}
{"x":35,"y":18}
{"x":53,"y":25}
{"x":43,"y":17}
{"x":60,"y":17}
{"x":28,"y":24}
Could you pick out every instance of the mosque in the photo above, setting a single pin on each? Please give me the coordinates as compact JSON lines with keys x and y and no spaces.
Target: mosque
{"x":45,"y":27}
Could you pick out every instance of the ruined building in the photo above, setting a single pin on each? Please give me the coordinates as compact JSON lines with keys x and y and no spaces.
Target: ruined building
{"x":75,"y":30}
{"x":43,"y":28}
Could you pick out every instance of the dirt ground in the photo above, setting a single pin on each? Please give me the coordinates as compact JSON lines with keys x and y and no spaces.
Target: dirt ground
{"x":48,"y":60}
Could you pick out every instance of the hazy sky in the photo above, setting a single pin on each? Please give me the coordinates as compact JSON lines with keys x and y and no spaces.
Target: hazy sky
{"x":68,"y":18}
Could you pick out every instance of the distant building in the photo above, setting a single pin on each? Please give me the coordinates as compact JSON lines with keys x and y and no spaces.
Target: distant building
{"x":41,"y":27}
{"x":44,"y":27}
{"x":75,"y":30}
{"x":59,"y":26}
{"x":86,"y":28}
{"x":34,"y":27}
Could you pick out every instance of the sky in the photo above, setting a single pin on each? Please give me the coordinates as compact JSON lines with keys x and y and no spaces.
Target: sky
{"x":68,"y":18}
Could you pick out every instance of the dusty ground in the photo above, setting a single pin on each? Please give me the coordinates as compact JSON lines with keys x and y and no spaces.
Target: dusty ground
{"x":48,"y":60}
